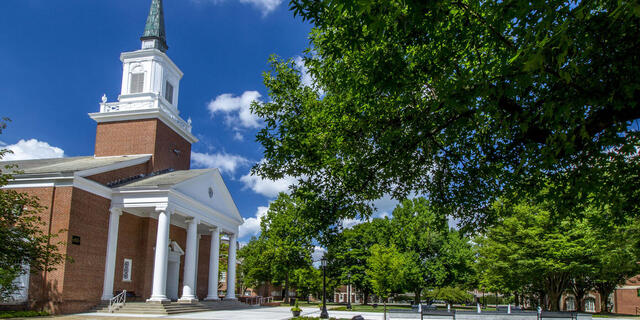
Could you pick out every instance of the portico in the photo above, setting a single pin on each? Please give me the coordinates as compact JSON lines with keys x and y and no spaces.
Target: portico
{"x":196,"y":201}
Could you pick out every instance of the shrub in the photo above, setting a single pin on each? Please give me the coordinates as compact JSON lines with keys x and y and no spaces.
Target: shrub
{"x":450,"y":295}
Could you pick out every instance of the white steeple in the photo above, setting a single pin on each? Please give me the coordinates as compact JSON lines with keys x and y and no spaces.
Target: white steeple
{"x":150,"y":82}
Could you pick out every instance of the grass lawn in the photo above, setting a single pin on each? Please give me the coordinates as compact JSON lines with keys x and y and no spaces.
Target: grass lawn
{"x":615,"y":316}
{"x":366,"y":308}
{"x":22,"y":314}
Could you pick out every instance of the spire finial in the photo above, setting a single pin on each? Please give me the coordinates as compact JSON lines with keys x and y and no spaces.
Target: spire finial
{"x":154,"y":29}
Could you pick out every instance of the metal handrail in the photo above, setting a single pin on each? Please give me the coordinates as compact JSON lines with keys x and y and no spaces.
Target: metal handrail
{"x":118,"y":301}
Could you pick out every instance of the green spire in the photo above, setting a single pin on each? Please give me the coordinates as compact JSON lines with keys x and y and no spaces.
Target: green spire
{"x":154,"y":29}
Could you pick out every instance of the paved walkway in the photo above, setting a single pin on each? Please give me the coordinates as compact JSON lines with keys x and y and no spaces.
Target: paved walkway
{"x":264,"y":313}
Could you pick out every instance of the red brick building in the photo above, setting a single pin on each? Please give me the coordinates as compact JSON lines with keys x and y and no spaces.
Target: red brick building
{"x":624,"y":300}
{"x":133,"y":216}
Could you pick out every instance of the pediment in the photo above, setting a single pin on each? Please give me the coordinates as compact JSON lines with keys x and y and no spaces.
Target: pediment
{"x":210,"y":190}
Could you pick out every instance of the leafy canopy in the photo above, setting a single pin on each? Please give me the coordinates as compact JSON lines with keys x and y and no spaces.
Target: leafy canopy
{"x":460,"y":100}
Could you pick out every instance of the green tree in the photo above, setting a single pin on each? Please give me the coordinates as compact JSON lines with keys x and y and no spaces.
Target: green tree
{"x":434,"y":255}
{"x":450,"y":295}
{"x":307,"y":281}
{"x":349,"y":251}
{"x":255,"y":270}
{"x":24,"y":242}
{"x":464,"y":101}
{"x":616,"y":250}
{"x":385,"y":268}
{"x":530,"y":248}
{"x":287,"y":240}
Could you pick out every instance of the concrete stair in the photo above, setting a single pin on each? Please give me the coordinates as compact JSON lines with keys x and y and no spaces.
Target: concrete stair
{"x":173,"y":307}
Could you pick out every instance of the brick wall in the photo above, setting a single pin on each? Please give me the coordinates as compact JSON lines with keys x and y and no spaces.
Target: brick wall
{"x":132,"y":242}
{"x":46,"y":288}
{"x":148,"y":136}
{"x":202,"y":289}
{"x":84,"y":276}
{"x":167,"y":141}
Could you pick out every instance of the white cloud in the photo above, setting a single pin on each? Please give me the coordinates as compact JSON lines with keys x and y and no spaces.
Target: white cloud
{"x":251,"y":226}
{"x":265,"y":187}
{"x":384,"y":209}
{"x":306,"y":78}
{"x":318,"y":253}
{"x":237,"y":110}
{"x":32,"y":149}
{"x":265,"y":6}
{"x":384,"y":206}
{"x":238,"y":136}
{"x":227,"y":163}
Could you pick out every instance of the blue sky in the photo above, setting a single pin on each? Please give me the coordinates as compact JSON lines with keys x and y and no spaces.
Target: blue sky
{"x":58,"y":58}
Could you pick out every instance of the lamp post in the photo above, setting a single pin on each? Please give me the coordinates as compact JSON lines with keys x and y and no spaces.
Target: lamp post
{"x":324,"y":314}
{"x":349,"y":291}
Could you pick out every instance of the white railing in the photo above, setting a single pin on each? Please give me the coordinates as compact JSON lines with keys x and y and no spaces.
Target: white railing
{"x":264,"y":300}
{"x":149,"y":101}
{"x":118,"y":301}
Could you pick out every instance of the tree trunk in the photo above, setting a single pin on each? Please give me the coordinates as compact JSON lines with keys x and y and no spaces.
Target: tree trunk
{"x":554,"y":300}
{"x":604,"y":300}
{"x":285,"y":299}
{"x":605,"y":289}
{"x":366,"y":297}
{"x":555,"y":285}
{"x":416,"y":298}
{"x":516,"y":299}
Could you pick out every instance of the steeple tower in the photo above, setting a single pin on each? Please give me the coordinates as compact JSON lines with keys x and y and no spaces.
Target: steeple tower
{"x":146,"y":118}
{"x":154,"y":35}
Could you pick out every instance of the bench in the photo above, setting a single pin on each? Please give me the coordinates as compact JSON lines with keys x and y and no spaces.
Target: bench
{"x":505,"y":309}
{"x":414,"y":314}
{"x":557,"y":315}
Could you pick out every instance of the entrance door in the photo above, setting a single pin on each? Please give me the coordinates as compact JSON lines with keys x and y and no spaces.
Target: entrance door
{"x":173,"y":270}
{"x":173,"y":274}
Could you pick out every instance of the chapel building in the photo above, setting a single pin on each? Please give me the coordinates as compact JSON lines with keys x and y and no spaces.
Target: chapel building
{"x":134,"y":216}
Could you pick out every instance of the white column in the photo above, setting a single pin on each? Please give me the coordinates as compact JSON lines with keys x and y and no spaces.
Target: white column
{"x":214,"y":259}
{"x":231,"y":268}
{"x":112,"y":245}
{"x":189,"y":281}
{"x":159,"y":289}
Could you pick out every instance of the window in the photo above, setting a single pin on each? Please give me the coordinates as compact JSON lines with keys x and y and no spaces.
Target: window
{"x":223,"y":276}
{"x":571,"y":304}
{"x":126,"y":270}
{"x":590,"y":305}
{"x":168,"y":92}
{"x":136,"y":83}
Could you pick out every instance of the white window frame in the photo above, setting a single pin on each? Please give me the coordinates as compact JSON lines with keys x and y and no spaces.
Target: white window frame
{"x":124,"y":270}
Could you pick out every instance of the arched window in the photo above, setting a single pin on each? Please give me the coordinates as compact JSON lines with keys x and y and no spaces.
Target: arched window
{"x":570,"y":303}
{"x":590,"y":304}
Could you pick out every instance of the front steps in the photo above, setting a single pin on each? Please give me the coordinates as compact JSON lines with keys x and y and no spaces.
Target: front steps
{"x":174,"y":307}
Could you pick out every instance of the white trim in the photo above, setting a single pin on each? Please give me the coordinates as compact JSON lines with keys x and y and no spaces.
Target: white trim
{"x":151,"y":54}
{"x":197,"y":205}
{"x":625,"y":287}
{"x":39,"y":182}
{"x":115,"y":166}
{"x":92,"y":187}
{"x":28,"y":185}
